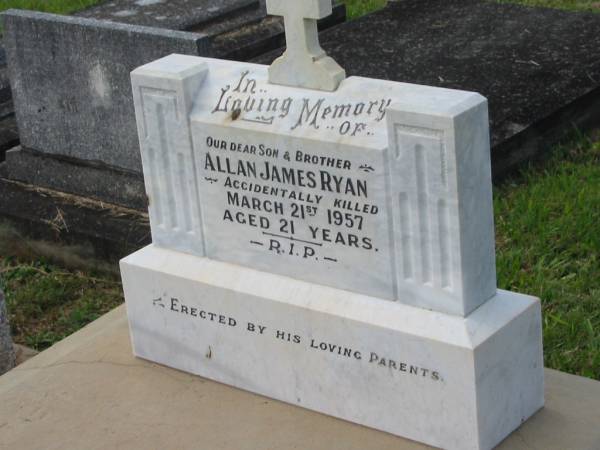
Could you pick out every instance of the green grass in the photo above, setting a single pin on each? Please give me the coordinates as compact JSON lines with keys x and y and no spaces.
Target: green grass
{"x":357,"y":8}
{"x":47,"y":304}
{"x":51,"y":6}
{"x":548,"y":245}
{"x":47,"y":297}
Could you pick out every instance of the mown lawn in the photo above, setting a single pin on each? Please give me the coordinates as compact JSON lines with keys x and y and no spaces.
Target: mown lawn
{"x":51,"y":6}
{"x":548,"y":245}
{"x":52,"y":291}
{"x":357,"y":8}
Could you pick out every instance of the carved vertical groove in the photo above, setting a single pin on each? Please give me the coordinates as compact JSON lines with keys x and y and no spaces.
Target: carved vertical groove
{"x":162,"y":106}
{"x":407,"y":263}
{"x":423,"y":240}
{"x":423,"y":211}
{"x":443,"y":164}
{"x":185,"y":198}
{"x":155,"y":201}
{"x":166,"y":153}
{"x":444,"y":237}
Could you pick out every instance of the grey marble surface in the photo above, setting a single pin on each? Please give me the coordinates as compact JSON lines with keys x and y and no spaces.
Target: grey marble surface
{"x":71,"y":85}
{"x":171,"y":14}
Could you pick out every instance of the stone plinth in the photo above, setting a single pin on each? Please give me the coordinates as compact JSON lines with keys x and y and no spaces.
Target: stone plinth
{"x":90,"y":392}
{"x":452,"y":382}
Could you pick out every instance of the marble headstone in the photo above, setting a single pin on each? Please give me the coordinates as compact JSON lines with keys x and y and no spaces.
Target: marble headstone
{"x":331,"y":247}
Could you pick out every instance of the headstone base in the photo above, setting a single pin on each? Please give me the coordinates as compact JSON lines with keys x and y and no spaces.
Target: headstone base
{"x":448,"y":381}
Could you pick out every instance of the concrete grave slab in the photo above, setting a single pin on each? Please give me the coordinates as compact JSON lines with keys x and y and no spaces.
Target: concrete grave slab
{"x":110,"y":230}
{"x":171,"y":14}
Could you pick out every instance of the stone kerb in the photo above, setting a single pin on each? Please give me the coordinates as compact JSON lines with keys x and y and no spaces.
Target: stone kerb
{"x":7,"y":353}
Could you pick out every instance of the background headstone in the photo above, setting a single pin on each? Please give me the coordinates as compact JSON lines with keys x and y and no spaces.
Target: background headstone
{"x":7,"y":353}
{"x":69,"y":81}
{"x":73,"y":98}
{"x":78,"y":168}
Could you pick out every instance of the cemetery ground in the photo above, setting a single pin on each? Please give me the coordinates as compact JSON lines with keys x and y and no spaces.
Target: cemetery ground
{"x":433,"y":251}
{"x":548,"y":245}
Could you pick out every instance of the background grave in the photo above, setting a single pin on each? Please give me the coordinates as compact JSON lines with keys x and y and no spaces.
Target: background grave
{"x":538,"y":67}
{"x":171,"y":14}
{"x":74,"y":107}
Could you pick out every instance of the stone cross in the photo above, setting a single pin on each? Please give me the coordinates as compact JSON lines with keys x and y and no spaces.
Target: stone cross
{"x":304,"y":63}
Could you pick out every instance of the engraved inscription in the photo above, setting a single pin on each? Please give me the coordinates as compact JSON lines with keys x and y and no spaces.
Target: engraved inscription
{"x":259,"y":106}
{"x":289,"y":207}
{"x":314,"y":343}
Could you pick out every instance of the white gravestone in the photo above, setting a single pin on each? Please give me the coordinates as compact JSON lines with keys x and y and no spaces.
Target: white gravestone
{"x":334,"y":250}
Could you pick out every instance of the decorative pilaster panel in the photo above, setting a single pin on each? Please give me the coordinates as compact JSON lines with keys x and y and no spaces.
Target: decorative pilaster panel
{"x":163,"y":96}
{"x":441,"y":206}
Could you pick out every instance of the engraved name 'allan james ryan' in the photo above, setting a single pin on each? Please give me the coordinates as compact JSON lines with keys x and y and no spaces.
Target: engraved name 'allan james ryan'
{"x":321,"y":180}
